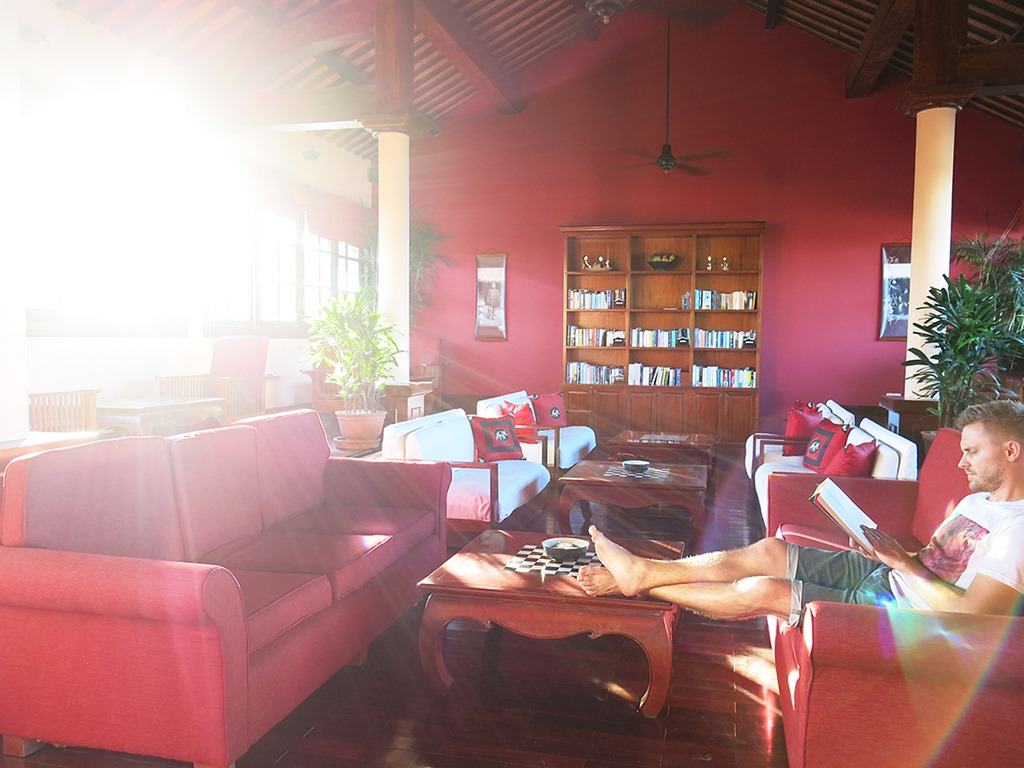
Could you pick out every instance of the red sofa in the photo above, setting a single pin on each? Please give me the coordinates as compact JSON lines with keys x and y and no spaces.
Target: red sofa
{"x":178,"y":597}
{"x":861,"y":685}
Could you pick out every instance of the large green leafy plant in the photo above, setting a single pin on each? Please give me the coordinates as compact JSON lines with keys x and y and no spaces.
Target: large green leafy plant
{"x":965,"y":335}
{"x":350,"y":341}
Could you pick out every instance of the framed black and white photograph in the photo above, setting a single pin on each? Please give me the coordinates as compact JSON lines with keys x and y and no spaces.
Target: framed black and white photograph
{"x":490,"y":297}
{"x":895,"y":312}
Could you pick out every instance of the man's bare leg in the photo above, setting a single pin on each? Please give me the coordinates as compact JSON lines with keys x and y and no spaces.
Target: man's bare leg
{"x":633,"y":575}
{"x":742,"y":599}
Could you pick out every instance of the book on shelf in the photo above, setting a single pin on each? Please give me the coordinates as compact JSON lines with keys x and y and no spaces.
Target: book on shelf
{"x":841,"y":509}
{"x":657,"y":337}
{"x":581,"y":298}
{"x":713,"y":339}
{"x":594,"y":337}
{"x":708,"y":299}
{"x":640,"y":375}
{"x":724,"y":378}
{"x":588,"y":373}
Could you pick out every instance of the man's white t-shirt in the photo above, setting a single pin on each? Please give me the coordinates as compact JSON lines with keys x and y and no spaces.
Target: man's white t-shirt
{"x":981,"y":536}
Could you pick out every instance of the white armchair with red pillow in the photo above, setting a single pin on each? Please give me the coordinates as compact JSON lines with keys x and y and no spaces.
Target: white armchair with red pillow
{"x":767,"y":447}
{"x":840,"y":450}
{"x":546,"y":417}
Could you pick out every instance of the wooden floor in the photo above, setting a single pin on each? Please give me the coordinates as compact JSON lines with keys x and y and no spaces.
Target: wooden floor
{"x":520,"y":703}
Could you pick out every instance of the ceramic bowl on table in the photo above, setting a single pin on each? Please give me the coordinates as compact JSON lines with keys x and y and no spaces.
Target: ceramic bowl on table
{"x":563,"y":548}
{"x":636,"y":466}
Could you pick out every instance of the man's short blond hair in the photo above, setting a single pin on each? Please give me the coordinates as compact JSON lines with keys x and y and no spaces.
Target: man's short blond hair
{"x":1003,"y":418}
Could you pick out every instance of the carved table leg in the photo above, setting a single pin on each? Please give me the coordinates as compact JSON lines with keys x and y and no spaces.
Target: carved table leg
{"x":432,"y":627}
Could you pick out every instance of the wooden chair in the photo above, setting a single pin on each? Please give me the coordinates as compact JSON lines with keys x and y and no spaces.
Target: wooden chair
{"x":237,"y":374}
{"x":68,"y":411}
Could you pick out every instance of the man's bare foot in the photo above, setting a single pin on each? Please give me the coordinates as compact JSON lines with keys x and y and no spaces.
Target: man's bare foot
{"x":627,"y":569}
{"x":597,"y":581}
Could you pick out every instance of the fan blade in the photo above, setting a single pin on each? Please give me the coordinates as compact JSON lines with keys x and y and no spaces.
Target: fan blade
{"x":696,"y":170}
{"x":704,"y":155}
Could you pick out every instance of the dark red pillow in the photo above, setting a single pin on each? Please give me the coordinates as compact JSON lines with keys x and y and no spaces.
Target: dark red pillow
{"x":827,"y":439}
{"x":495,"y":439}
{"x":550,"y":410}
{"x":800,"y":422}
{"x":854,"y":460}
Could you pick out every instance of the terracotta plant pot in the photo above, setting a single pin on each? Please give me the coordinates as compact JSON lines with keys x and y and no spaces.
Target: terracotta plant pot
{"x":360,"y":429}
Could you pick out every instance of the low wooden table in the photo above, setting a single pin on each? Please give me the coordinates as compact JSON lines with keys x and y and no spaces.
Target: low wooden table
{"x":683,"y":484}
{"x":147,"y":415}
{"x":691,"y":448}
{"x":474,"y":584}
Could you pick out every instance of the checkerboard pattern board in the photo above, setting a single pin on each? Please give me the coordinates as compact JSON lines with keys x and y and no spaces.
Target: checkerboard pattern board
{"x":531,"y":559}
{"x":652,"y":473}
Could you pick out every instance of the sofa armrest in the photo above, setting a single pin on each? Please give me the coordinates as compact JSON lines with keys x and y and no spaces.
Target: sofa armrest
{"x":530,"y":452}
{"x":366,"y":482}
{"x":492,"y":468}
{"x":927,"y":645}
{"x":763,"y":439}
{"x":890,"y":503}
{"x":156,"y":590}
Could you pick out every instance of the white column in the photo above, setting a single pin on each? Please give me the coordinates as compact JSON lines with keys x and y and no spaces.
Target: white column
{"x":393,"y":241}
{"x":13,"y":344}
{"x":931,"y":233}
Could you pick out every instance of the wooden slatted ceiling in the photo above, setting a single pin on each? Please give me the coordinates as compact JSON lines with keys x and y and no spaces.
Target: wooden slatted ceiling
{"x":515,"y":32}
{"x":844,"y":23}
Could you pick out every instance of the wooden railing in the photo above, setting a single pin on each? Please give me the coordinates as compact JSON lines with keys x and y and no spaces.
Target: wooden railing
{"x":69,"y":411}
{"x":242,"y":397}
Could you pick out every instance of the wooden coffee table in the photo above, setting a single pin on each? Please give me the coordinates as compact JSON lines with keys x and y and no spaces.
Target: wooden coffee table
{"x":473,"y":584}
{"x":683,"y":484}
{"x":691,"y":448}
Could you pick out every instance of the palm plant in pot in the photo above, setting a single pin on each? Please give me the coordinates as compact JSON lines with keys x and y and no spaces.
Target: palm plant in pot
{"x":965,"y":337}
{"x":357,"y":349}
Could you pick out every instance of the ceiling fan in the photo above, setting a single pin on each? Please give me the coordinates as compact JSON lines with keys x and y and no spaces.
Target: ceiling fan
{"x":666,"y":160}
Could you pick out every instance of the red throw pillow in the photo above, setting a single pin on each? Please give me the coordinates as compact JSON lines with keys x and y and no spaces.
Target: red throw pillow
{"x":521,"y":413}
{"x":825,"y":442}
{"x":800,"y":422}
{"x":527,"y":433}
{"x":854,"y":460}
{"x":495,"y":439}
{"x":550,"y":410}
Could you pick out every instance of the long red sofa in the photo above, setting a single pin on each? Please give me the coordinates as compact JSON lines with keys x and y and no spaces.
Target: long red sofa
{"x":887,"y":687}
{"x":178,"y":597}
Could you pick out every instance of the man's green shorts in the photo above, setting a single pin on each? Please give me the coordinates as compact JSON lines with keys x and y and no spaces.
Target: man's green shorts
{"x":834,"y":577}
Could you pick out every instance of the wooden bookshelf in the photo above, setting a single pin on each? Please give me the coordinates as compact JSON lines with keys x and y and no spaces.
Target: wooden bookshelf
{"x":654,"y":301}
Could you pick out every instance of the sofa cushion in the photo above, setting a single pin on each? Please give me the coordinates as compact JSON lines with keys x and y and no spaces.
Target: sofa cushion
{"x":491,"y":406}
{"x":825,"y":441}
{"x":897,"y":457}
{"x":216,"y":487}
{"x":518,"y":483}
{"x":495,"y":439}
{"x":275,"y":602}
{"x":348,"y":561}
{"x":941,"y":485}
{"x":291,"y":451}
{"x":854,"y":460}
{"x":444,"y":441}
{"x":393,"y":441}
{"x":78,"y":499}
{"x":574,"y":443}
{"x":386,"y":520}
{"x":550,"y":410}
{"x":801,"y":420}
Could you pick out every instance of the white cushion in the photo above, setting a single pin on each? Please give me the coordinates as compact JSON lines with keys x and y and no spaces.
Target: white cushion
{"x":840,"y":414}
{"x":905,"y":450}
{"x":443,"y":441}
{"x":784,"y":464}
{"x":392,"y":444}
{"x":518,"y":483}
{"x":491,"y":407}
{"x":574,"y":443}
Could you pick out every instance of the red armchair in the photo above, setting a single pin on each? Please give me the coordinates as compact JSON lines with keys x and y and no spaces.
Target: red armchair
{"x":861,"y":685}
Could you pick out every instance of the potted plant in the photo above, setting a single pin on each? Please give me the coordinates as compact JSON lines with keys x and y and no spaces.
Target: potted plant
{"x":357,"y":349}
{"x":965,"y":336}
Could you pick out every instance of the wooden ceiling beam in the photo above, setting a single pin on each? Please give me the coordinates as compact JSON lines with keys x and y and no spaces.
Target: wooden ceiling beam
{"x":940,"y":32}
{"x":452,"y":35}
{"x":997,"y":69}
{"x":318,"y":33}
{"x":890,"y":23}
{"x":337,"y":108}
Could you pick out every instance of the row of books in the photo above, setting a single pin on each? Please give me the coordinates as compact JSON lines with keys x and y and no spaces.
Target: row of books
{"x":594,"y":337}
{"x":657,"y":337}
{"x":588,"y":373}
{"x":654,"y":376}
{"x":583,"y":299}
{"x":710,"y":339}
{"x":714,"y":376}
{"x":720,"y":300}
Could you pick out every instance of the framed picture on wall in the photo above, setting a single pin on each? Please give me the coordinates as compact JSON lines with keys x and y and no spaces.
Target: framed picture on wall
{"x":895,"y":311}
{"x":491,"y":316}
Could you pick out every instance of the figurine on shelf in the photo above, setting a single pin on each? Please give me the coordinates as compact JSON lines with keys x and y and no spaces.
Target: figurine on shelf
{"x":603,"y":264}
{"x":586,"y":262}
{"x":709,"y":266}
{"x":725,"y":263}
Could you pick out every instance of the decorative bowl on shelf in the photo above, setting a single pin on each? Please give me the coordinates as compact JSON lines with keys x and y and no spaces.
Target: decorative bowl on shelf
{"x":663,"y":260}
{"x":564,"y":548}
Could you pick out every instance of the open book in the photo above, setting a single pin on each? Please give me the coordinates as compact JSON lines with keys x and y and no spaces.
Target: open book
{"x":831,"y":500}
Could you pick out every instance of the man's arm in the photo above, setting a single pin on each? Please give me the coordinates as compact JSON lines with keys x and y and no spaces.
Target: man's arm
{"x":985,"y":595}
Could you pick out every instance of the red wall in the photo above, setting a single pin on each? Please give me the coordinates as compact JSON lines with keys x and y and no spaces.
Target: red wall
{"x":831,"y":177}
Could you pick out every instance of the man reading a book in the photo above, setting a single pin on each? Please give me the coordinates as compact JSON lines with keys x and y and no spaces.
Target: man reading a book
{"x":974,"y":562}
